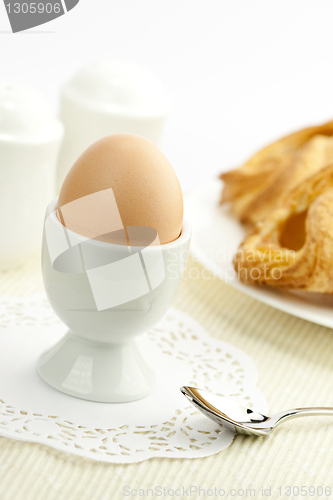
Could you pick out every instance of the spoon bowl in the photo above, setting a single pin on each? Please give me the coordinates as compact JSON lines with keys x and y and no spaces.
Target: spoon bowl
{"x":232,"y":415}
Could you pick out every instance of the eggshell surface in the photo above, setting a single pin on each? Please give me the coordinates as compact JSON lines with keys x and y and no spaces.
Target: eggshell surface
{"x":129,"y":177}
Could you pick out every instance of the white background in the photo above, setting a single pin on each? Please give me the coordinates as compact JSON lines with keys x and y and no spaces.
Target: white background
{"x":239,"y":73}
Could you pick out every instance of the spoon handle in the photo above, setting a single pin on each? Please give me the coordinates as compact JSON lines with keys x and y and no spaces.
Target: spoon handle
{"x":299,"y":412}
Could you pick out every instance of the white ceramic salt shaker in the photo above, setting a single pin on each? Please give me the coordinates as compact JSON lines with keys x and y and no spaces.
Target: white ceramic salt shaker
{"x":108,"y":97}
{"x":30,"y":137}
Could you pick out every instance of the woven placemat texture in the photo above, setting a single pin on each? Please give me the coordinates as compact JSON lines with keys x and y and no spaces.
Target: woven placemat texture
{"x":295,"y":364}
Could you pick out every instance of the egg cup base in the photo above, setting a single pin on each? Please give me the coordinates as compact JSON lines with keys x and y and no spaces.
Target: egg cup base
{"x":99,"y":372}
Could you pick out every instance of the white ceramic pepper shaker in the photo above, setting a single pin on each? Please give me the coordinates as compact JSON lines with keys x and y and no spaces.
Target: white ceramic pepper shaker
{"x":108,"y":97}
{"x":30,"y":137}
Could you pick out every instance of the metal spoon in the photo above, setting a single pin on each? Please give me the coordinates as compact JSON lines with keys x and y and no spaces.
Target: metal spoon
{"x":238,"y":418}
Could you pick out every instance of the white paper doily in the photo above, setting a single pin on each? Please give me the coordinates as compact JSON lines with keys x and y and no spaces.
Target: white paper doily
{"x":163,"y":424}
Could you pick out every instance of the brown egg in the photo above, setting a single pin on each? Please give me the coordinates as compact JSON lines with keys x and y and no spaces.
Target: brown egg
{"x":122,"y":180}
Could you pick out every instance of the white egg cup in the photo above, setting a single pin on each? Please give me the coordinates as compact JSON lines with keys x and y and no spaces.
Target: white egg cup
{"x":99,"y":359}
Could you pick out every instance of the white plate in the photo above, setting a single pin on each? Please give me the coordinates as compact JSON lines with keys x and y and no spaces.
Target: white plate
{"x":216,"y":237}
